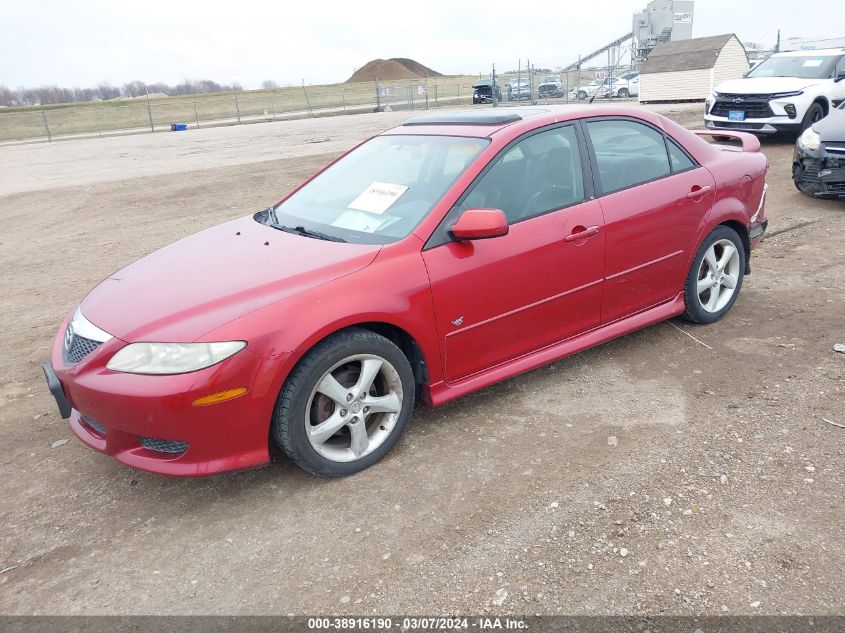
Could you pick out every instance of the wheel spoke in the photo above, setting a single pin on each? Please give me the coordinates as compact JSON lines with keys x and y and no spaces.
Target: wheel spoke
{"x":360,"y":440}
{"x":705,"y":284}
{"x":384,"y":404}
{"x":728,"y":252}
{"x":729,"y":281}
{"x":710,"y":258}
{"x":329,"y":386}
{"x":324,"y":430}
{"x":714,"y":298}
{"x":369,"y":370}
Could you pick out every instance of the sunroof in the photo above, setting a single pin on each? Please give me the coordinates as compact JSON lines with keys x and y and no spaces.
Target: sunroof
{"x":490,"y":117}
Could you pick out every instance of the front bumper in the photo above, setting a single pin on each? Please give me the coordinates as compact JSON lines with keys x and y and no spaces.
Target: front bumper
{"x":820,"y":173}
{"x":150,"y":422}
{"x":766,"y":127}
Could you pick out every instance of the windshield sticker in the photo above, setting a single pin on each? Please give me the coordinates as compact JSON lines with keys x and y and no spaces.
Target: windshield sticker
{"x":363,"y":222}
{"x":378,"y":197}
{"x":813,"y":63}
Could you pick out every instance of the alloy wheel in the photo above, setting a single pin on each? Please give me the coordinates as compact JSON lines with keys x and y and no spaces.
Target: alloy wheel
{"x":353,"y":408}
{"x":718,"y":275}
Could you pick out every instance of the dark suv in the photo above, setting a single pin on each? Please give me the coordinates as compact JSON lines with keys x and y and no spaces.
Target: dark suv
{"x":482,"y":91}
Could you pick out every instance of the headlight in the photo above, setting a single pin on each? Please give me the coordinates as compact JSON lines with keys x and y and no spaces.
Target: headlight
{"x":794,"y":93}
{"x":810,"y":139}
{"x":171,"y":358}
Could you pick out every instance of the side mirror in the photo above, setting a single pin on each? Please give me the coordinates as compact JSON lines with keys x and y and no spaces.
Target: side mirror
{"x":480,"y":224}
{"x":840,"y":76}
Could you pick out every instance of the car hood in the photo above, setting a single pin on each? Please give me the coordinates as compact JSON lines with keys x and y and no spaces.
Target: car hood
{"x":206,"y":280}
{"x":764,"y":85}
{"x":832,"y":127}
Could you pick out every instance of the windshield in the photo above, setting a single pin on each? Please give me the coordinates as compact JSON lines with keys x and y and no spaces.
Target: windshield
{"x":379,"y":192}
{"x":802,"y":66}
{"x":521,"y":82}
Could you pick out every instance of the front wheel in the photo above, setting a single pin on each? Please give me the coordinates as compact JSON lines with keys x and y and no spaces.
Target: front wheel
{"x":345,"y":404}
{"x":815,"y":113}
{"x":581,"y":95}
{"x":623,"y":93}
{"x":715,"y":277}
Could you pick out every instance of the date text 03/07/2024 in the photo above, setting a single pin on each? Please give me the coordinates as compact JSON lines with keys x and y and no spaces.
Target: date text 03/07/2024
{"x":416,"y":623}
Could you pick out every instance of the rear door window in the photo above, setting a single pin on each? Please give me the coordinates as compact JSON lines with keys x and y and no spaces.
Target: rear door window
{"x":627,"y":153}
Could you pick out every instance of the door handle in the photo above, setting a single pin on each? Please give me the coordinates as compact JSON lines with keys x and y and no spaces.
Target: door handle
{"x":581,"y":233}
{"x":697,"y":191}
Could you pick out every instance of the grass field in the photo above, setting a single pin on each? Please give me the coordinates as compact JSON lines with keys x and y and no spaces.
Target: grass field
{"x":123,"y":115}
{"x":32,"y":122}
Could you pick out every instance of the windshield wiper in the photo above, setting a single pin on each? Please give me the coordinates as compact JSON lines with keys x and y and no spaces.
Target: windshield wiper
{"x":273,"y":220}
{"x":301,"y":230}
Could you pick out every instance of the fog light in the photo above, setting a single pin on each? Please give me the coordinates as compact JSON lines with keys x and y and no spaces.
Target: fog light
{"x":790,"y":110}
{"x":220,"y":396}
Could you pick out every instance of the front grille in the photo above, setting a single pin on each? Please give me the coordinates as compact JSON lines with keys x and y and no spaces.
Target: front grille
{"x":835,"y":187}
{"x":80,"y":347}
{"x":163,"y":446}
{"x":754,"y":108}
{"x":740,"y":125}
{"x":730,"y":96}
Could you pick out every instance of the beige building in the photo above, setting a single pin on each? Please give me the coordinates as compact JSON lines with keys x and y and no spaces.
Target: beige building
{"x":688,"y":70}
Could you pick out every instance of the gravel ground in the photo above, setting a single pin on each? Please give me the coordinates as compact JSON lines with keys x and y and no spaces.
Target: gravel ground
{"x":653,"y":474}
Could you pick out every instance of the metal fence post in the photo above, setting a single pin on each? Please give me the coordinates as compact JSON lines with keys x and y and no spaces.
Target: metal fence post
{"x":493,"y":88}
{"x":196,"y":115}
{"x":378,"y":97}
{"x":149,"y":111}
{"x":307,"y":100}
{"x":46,"y":125}
{"x":237,"y":108}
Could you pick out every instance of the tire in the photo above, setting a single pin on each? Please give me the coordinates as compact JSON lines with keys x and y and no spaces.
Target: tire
{"x":701,"y":306}
{"x":623,"y":93}
{"x":814,"y":114}
{"x":581,"y":95}
{"x":302,"y":405}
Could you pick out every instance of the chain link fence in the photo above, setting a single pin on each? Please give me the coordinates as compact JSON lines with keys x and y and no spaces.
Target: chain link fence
{"x":529,"y":85}
{"x":524,"y":84}
{"x":195,"y":111}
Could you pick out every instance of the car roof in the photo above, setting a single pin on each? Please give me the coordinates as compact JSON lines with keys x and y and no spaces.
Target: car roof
{"x":496,"y":117}
{"x":811,"y":52}
{"x":489,"y":122}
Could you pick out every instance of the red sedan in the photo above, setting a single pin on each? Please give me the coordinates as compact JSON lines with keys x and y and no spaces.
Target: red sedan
{"x":442,"y":256}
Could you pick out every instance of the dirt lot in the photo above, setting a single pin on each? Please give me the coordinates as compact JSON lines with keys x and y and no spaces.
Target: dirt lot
{"x":653,"y":474}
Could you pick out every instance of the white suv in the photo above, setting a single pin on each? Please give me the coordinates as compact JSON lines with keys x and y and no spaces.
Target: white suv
{"x":786,"y":93}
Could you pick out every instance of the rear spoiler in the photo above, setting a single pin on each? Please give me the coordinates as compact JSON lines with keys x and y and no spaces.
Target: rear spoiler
{"x":750,"y":143}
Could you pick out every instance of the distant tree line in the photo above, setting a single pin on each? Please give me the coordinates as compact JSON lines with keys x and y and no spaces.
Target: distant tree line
{"x":46,"y":95}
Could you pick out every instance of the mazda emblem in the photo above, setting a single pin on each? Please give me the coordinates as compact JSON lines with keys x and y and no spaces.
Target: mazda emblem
{"x":68,"y":337}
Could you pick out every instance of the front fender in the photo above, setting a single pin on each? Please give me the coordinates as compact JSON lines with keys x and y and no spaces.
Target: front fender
{"x":394,"y":290}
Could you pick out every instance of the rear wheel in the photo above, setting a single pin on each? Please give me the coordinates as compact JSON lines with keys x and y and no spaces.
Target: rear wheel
{"x":715,"y":277}
{"x":345,"y":404}
{"x":815,"y":113}
{"x":581,"y":95}
{"x":623,"y":93}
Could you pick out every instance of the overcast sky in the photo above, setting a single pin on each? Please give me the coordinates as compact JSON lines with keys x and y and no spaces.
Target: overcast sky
{"x":84,"y":42}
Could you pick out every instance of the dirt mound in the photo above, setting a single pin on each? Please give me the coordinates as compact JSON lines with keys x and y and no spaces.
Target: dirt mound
{"x":393,"y":68}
